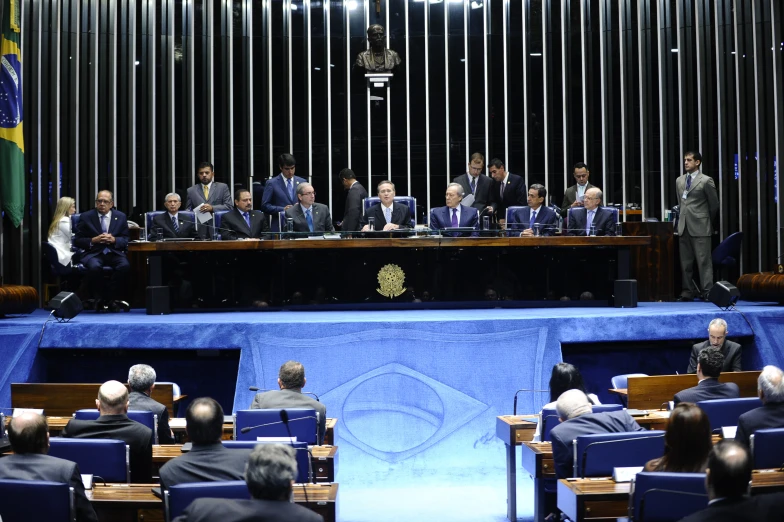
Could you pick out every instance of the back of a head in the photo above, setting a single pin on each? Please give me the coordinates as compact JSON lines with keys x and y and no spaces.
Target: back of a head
{"x":141,"y":377}
{"x":573,"y":403}
{"x":204,"y":421}
{"x":27,"y":433}
{"x":711,"y":360}
{"x":270,"y":471}
{"x":729,"y":469}
{"x":113,"y":397}
{"x":771,"y":384}
{"x":292,"y":375}
{"x":565,"y":377}
{"x":688,"y":439}
{"x":347,"y":174}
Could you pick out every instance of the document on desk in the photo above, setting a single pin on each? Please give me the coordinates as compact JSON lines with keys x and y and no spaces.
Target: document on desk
{"x":177,"y":422}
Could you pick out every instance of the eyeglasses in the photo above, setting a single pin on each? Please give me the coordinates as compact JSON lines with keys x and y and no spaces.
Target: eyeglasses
{"x":308,"y":193}
{"x":103,"y":201}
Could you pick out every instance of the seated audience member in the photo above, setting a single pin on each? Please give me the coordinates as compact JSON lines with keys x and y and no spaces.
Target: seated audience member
{"x":208,"y":459}
{"x":388,"y":215}
{"x":270,"y":474}
{"x":591,"y":215}
{"x":687,"y":441}
{"x":770,"y":388}
{"x":60,"y":229}
{"x":170,"y":223}
{"x":522,"y":221}
{"x":728,"y":480}
{"x":242,"y":222}
{"x":717,"y":339}
{"x":709,"y":365}
{"x":29,"y":438}
{"x":454,"y":214}
{"x":113,"y":423}
{"x":577,"y":418}
{"x":564,"y":377}
{"x":291,"y":380}
{"x":307,"y":215}
{"x":141,"y":379}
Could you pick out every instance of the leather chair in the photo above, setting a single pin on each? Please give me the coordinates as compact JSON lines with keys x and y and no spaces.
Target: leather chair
{"x":622,"y":381}
{"x":303,"y":424}
{"x":184,"y":215}
{"x":725,"y":412}
{"x":147,"y":418}
{"x":304,"y":464}
{"x":108,"y":459}
{"x":569,"y":213}
{"x":179,"y":497}
{"x":767,"y":448}
{"x":596,"y":455}
{"x":550,"y":417}
{"x":662,"y":497}
{"x":25,"y":500}
{"x":408,"y":200}
{"x":218,"y":218}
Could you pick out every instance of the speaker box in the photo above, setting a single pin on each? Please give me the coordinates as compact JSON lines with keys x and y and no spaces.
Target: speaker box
{"x":158,"y":300}
{"x":625,"y":293}
{"x":724,"y":295}
{"x":66,"y":306}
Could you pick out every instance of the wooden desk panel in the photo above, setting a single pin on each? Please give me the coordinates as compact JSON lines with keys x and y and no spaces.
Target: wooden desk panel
{"x":649,"y":393}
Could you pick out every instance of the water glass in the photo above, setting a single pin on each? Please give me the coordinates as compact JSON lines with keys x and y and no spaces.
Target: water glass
{"x":485,"y":222}
{"x":371,"y":224}
{"x":593,"y":230}
{"x":619,"y":229}
{"x":289,"y":224}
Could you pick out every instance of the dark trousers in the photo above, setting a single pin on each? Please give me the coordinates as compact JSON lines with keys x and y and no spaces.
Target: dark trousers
{"x":120,"y":266}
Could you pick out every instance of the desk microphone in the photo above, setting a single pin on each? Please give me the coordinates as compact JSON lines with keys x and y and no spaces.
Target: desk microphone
{"x":284,"y":418}
{"x":246,"y":429}
{"x":514,"y":410}
{"x":257,"y":389}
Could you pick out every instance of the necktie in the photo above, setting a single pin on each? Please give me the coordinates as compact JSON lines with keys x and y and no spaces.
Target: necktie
{"x":454,"y":218}
{"x":388,"y":214}
{"x":589,"y":222}
{"x":175,"y":224}
{"x":688,"y":181}
{"x":104,"y":226}
{"x":206,"y":189}
{"x":473,"y":185}
{"x":247,"y":218}
{"x":502,"y":190}
{"x":309,"y":219}
{"x":533,"y":218}
{"x":291,"y":189}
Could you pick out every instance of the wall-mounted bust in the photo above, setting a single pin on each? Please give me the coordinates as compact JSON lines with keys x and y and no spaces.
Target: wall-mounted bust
{"x":377,"y":58}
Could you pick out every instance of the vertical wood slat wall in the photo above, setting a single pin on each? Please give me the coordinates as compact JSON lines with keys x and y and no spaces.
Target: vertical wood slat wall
{"x":130,"y":94}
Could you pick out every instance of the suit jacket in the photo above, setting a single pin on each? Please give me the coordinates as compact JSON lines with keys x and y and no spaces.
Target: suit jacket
{"x":587,"y":424}
{"x":441,"y":218}
{"x":770,"y":415}
{"x":220,"y":196}
{"x":252,"y":510}
{"x":291,"y":398}
{"x":484,"y":195}
{"x":603,"y":221}
{"x":701,"y":206}
{"x":353,"y":211}
{"x":515,"y":194}
{"x":322,"y":221}
{"x":205,"y":463}
{"x":163,"y":221}
{"x":140,"y":401}
{"x":767,"y":506}
{"x":34,"y":466}
{"x":137,"y":436}
{"x":730,"y":350}
{"x":401,"y":216}
{"x":570,"y":196}
{"x":276,"y":195}
{"x":235,"y":227}
{"x":521,"y":220}
{"x":90,"y":226}
{"x":708,"y":389}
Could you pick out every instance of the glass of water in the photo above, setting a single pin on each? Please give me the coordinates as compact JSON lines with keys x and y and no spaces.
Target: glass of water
{"x":371,"y":224}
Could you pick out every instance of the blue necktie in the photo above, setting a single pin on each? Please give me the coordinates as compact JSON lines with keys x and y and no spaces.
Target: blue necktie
{"x":454,"y":218}
{"x":247,"y":218}
{"x":175,"y":224}
{"x":388,"y":214}
{"x":589,"y":222}
{"x":309,"y":219}
{"x":533,"y":218}
{"x":291,"y":189}
{"x":104,"y":226}
{"x":688,"y":181}
{"x":473,"y":185}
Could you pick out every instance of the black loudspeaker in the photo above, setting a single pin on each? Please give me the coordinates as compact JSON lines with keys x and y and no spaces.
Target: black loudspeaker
{"x":724,"y":295}
{"x":158,"y":300}
{"x":66,"y":306}
{"x":625,"y":293}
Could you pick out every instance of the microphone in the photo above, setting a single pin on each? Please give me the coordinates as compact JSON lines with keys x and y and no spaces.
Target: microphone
{"x":246,"y":429}
{"x":514,"y":410}
{"x":284,"y":418}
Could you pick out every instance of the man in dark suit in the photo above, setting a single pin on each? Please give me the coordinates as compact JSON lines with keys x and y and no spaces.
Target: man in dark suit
{"x":207,"y":196}
{"x":709,"y":365}
{"x":291,"y":380}
{"x":717,"y":339}
{"x":171,"y":223}
{"x":355,"y":194}
{"x":272,"y":469}
{"x":208,"y":459}
{"x":113,"y":423}
{"x":141,"y":380}
{"x":103,"y":236}
{"x":577,"y":418}
{"x":29,"y":437}
{"x":727,"y":479}
{"x":592,"y":215}
{"x":280,"y":192}
{"x":388,"y":215}
{"x":573,"y":197}
{"x":478,"y":185}
{"x":307,"y":215}
{"x":455,"y":215}
{"x":770,"y":388}
{"x":243,"y":222}
{"x":544,"y":218}
{"x":509,"y":189}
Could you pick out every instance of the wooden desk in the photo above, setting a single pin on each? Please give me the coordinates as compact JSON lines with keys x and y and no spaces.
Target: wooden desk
{"x":513,"y":430}
{"x":649,"y":393}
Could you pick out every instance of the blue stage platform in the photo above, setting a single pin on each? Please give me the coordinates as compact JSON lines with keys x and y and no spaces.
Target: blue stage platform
{"x":416,"y":392}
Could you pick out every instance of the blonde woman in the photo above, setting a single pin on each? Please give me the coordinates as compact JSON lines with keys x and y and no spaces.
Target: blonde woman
{"x":60,"y":229}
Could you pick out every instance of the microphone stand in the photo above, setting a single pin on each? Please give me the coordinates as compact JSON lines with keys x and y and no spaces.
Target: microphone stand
{"x":284,"y":417}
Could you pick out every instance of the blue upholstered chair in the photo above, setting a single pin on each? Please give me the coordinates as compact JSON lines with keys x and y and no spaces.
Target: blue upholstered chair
{"x":662,"y":497}
{"x":767,"y":448}
{"x":105,"y":458}
{"x":218,"y":218}
{"x":725,"y":412}
{"x":147,"y":418}
{"x":304,"y":465}
{"x":408,"y":200}
{"x":622,"y":381}
{"x":727,"y":254}
{"x":303,"y":424}
{"x":50,"y":501}
{"x":597,"y":455}
{"x":550,"y":417}
{"x":518,"y":227}
{"x":184,"y":215}
{"x":179,"y":497}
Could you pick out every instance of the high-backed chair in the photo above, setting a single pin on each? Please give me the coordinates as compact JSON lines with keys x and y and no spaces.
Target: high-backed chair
{"x":184,"y":215}
{"x":105,"y":458}
{"x":726,"y":255}
{"x":147,"y":418}
{"x":217,"y":220}
{"x":621,"y":381}
{"x":550,"y":417}
{"x":304,"y":464}
{"x":303,"y":424}
{"x":408,"y":200}
{"x":662,"y":497}
{"x":725,"y":412}
{"x":179,"y":497}
{"x":513,"y":229}
{"x":767,"y":448}
{"x":597,"y":455}
{"x":25,"y":500}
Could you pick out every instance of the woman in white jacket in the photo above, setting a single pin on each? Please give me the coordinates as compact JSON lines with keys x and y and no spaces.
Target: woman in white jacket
{"x":60,"y":229}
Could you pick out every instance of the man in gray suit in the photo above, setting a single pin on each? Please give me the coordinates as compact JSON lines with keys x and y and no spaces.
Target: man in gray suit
{"x":141,"y":381}
{"x":717,"y":339}
{"x":291,"y":380}
{"x":308,"y":215}
{"x":699,"y":206}
{"x":208,"y":193}
{"x":573,"y":197}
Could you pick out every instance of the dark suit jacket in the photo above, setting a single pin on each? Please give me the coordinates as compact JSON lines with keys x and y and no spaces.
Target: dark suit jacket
{"x":767,"y":506}
{"x":235,"y":227}
{"x":587,"y":424}
{"x":291,"y":398}
{"x":90,"y":226}
{"x":730,"y":350}
{"x":521,"y":220}
{"x":253,"y":510}
{"x":276,"y":195}
{"x":603,"y":221}
{"x":770,"y":415}
{"x":140,"y":401}
{"x":322,"y":221}
{"x":570,"y":196}
{"x":137,"y":436}
{"x":708,"y":389}
{"x":353,"y":211}
{"x":484,"y":195}
{"x":205,"y":463}
{"x":515,"y":194}
{"x":441,"y":218}
{"x":33,"y":466}
{"x":401,"y":216}
{"x":163,"y":221}
{"x":220,"y":196}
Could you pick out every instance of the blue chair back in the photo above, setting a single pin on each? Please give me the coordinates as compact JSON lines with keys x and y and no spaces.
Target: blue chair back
{"x":25,"y":500}
{"x":218,"y":219}
{"x":147,"y":418}
{"x":614,"y":211}
{"x":728,"y":251}
{"x":622,"y":381}
{"x":75,"y":222}
{"x":662,"y":497}
{"x":408,"y":200}
{"x":303,"y":423}
{"x":106,"y":458}
{"x":767,"y":448}
{"x":597,"y":455}
{"x":725,"y":412}
{"x":304,"y":467}
{"x":550,"y":417}
{"x":513,"y":229}
{"x":179,"y":497}
{"x":184,"y":215}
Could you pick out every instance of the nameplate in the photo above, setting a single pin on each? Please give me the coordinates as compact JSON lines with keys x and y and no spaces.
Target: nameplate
{"x":19,"y":411}
{"x":625,"y":474}
{"x":728,"y":432}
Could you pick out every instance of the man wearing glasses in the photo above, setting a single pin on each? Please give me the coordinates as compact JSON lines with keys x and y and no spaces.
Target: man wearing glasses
{"x":573,"y":197}
{"x":309,"y":216}
{"x":591,"y":219}
{"x":478,"y":186}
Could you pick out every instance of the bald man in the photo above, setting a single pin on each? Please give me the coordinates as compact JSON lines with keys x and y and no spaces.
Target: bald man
{"x":113,"y":423}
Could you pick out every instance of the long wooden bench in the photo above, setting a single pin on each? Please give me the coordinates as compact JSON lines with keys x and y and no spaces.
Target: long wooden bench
{"x":649,"y":393}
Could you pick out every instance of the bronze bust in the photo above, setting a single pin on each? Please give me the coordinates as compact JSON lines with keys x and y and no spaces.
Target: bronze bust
{"x":377,"y":59}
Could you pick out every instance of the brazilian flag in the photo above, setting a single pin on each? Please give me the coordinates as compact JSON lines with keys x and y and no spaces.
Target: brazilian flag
{"x":11,"y":137}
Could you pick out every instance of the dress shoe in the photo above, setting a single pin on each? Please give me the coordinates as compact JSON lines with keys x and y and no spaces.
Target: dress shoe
{"x":684,"y":299}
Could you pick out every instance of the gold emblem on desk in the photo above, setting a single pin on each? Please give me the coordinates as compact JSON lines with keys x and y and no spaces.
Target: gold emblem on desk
{"x":780,"y":268}
{"x":390,"y":280}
